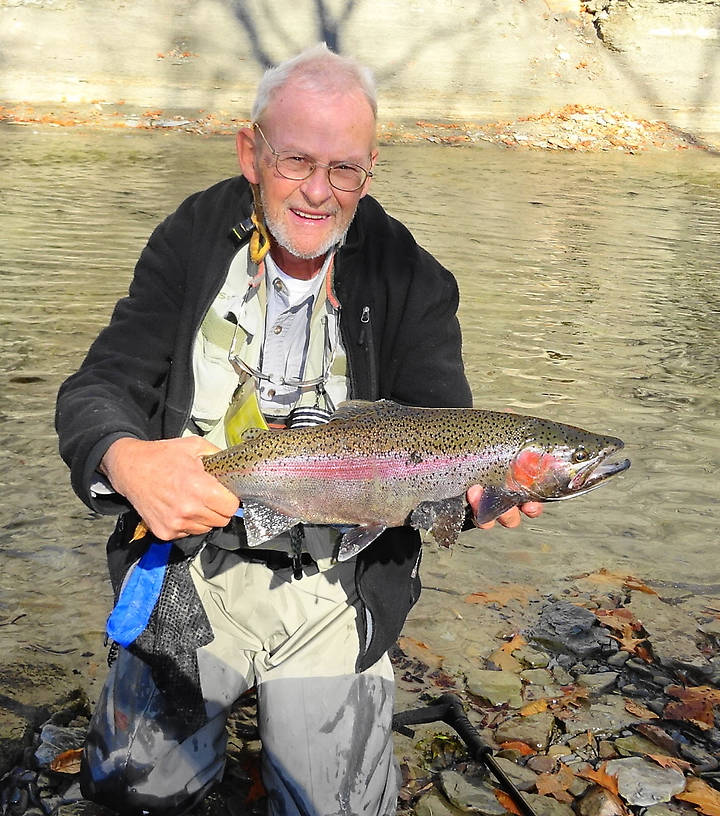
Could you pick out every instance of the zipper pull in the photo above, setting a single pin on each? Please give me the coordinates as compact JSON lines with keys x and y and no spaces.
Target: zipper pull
{"x":364,"y":320}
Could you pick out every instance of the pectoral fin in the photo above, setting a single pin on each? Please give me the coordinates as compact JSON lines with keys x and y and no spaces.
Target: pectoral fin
{"x":493,"y":503}
{"x":263,"y":522}
{"x":357,"y":538}
{"x":443,"y":519}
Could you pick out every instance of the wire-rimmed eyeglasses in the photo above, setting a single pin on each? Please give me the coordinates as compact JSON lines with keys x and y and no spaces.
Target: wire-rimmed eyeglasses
{"x":344,"y":176}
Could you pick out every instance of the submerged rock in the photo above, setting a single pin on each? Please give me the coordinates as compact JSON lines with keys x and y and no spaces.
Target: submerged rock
{"x":564,"y":627}
{"x":644,"y":783}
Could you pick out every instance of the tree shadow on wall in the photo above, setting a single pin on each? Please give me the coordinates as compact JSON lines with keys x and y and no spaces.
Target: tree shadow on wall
{"x":265,"y":15}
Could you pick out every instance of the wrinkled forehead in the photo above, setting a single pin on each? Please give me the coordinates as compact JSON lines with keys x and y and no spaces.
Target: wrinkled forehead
{"x":328,"y":126}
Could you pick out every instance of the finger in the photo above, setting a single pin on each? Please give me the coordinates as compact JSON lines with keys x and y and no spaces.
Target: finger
{"x":532,"y":509}
{"x":510,"y":518}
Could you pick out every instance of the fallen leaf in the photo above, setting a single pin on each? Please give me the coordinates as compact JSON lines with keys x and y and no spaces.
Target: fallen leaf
{"x":536,"y":707}
{"x":556,"y":784}
{"x":68,"y":762}
{"x":692,"y":693}
{"x":418,"y":650}
{"x":503,"y":595}
{"x":521,"y":747}
{"x":507,"y":802}
{"x":517,"y":642}
{"x":700,"y":794}
{"x":671,"y":762}
{"x":633,"y":583}
{"x":639,"y":710}
{"x":698,"y":712}
{"x":601,"y":777}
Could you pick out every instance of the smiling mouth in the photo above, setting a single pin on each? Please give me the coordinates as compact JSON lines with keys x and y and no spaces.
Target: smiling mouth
{"x":305,"y":216}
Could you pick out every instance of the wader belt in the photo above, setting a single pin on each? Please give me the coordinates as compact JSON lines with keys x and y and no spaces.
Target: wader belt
{"x":275,"y":559}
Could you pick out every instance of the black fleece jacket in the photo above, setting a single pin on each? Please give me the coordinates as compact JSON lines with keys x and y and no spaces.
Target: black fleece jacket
{"x":399,"y":328}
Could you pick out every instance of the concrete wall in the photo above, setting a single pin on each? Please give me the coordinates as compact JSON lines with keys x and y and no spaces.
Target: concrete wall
{"x":467,"y":59}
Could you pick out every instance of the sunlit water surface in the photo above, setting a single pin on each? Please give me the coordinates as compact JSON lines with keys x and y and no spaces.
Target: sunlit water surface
{"x":590,"y":295}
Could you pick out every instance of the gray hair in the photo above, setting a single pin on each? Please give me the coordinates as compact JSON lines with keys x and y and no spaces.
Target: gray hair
{"x":316,"y":69}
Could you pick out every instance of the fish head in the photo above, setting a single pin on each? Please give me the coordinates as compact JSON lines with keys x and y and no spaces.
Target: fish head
{"x":559,"y":461}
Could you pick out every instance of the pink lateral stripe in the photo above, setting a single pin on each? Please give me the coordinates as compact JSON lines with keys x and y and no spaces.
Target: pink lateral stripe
{"x":364,"y":467}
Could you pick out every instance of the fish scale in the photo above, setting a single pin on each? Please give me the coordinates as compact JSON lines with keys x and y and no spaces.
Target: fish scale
{"x":379,"y":464}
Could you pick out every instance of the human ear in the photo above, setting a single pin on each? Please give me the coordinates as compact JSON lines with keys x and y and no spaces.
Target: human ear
{"x":245,"y":145}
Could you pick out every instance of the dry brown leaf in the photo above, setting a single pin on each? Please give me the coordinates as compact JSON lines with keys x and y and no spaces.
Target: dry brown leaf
{"x":556,"y":784}
{"x":692,"y":693}
{"x":633,"y":583}
{"x":639,"y":710}
{"x":68,"y":762}
{"x":418,"y":650}
{"x":670,"y":762}
{"x":517,"y":642}
{"x":700,"y":794}
{"x":506,"y":801}
{"x":536,"y":707}
{"x":698,"y":712}
{"x":502,"y":595}
{"x":521,"y":747}
{"x":601,"y":777}
{"x":140,"y":531}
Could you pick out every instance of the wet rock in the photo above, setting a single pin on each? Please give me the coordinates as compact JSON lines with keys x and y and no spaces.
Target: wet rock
{"x":598,"y":683}
{"x":538,"y":677}
{"x":497,"y":687}
{"x":635,"y":744}
{"x":671,"y":629}
{"x":561,"y":675}
{"x":54,"y":739}
{"x":547,"y":806}
{"x":523,"y":778}
{"x":698,"y":756}
{"x":603,"y":718}
{"x":470,"y":793}
{"x":433,"y":804}
{"x":532,"y":657}
{"x":534,"y":730}
{"x":541,"y":763}
{"x":644,"y":783}
{"x":618,"y":660}
{"x":32,"y":692}
{"x":564,"y":627}
{"x":601,"y":802}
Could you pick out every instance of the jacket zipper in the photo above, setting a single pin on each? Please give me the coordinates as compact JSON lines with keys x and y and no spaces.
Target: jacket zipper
{"x":367,"y":340}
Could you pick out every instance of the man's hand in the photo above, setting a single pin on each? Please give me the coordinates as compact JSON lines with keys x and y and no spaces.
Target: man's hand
{"x":511,"y":517}
{"x":166,"y":483}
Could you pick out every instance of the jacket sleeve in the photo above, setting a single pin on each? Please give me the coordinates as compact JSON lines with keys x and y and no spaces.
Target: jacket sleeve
{"x":119,"y":389}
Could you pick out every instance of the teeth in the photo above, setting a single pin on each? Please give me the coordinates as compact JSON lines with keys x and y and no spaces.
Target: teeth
{"x":308,"y":216}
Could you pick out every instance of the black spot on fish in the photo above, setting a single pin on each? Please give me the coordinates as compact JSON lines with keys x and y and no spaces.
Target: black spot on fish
{"x":416,"y":458}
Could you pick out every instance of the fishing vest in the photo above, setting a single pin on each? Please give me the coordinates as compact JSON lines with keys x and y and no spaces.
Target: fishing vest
{"x":225,"y":401}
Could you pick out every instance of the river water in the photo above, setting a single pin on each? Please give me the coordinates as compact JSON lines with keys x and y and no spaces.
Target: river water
{"x":590,"y":295}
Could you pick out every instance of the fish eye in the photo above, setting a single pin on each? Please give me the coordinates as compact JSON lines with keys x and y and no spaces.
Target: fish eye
{"x":580,"y":454}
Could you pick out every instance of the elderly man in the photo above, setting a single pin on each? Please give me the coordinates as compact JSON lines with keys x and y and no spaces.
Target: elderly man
{"x":264,"y":301}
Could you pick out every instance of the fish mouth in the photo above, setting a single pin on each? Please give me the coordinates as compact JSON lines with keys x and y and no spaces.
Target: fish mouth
{"x":596,"y":473}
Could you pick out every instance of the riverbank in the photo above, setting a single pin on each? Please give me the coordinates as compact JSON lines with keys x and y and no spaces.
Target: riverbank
{"x":602,"y":697}
{"x":582,"y":128}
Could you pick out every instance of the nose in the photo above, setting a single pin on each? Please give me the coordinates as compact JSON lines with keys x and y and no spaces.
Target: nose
{"x":316,"y":188}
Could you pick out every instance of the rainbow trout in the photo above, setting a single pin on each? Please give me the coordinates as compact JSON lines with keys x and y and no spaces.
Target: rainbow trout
{"x":376,"y":465}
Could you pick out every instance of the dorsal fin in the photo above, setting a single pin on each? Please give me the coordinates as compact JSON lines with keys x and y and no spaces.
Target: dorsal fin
{"x":353,"y":409}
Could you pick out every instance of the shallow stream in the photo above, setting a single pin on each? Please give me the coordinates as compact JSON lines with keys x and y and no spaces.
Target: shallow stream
{"x":590,"y":295}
